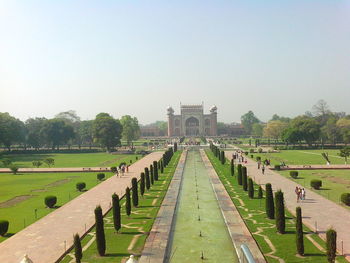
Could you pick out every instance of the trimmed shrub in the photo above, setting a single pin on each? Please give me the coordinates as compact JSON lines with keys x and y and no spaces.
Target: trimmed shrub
{"x":78,"y":252}
{"x":251,"y":150}
{"x":316,"y":184}
{"x":345,"y":198}
{"x":294,"y":174}
{"x":331,"y":243}
{"x":239,"y":174}
{"x":222,"y":158}
{"x":280,"y":216}
{"x":114,"y":169}
{"x":252,"y":156}
{"x":250,"y":188}
{"x":148,"y":181}
{"x":50,"y":201}
{"x":100,"y":232}
{"x":127,"y":201}
{"x":278,"y":167}
{"x":246,"y":153}
{"x":270,"y":205}
{"x":152,"y":174}
{"x":14,"y":169}
{"x":80,"y":186}
{"x":161,"y":166}
{"x":155,"y":170}
{"x":232,"y":166}
{"x":260,"y":192}
{"x":299,"y":232}
{"x":4,"y":227}
{"x":244,"y":178}
{"x":258,"y":158}
{"x":260,"y":150}
{"x":142,"y":184}
{"x":100,"y":176}
{"x":135,"y":196}
{"x":116,"y":212}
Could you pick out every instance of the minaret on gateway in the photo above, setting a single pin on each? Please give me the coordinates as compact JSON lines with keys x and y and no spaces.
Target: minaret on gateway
{"x":192,"y":121}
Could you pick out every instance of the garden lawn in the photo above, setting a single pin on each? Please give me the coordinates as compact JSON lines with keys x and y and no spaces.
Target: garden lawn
{"x":70,"y":159}
{"x":262,"y":228}
{"x":334,"y":182}
{"x":132,"y":236}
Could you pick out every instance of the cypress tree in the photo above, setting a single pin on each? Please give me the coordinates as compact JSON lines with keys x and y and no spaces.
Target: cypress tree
{"x":270,"y":206}
{"x":280,"y":216}
{"x":100,"y":232}
{"x":239,"y":174}
{"x":232,"y":167}
{"x":175,"y":146}
{"x":244,"y":178}
{"x":78,"y":252}
{"x":142,"y":184}
{"x":260,"y":192}
{"x":331,"y":237}
{"x":155,"y":170}
{"x":250,"y":188}
{"x":116,"y":212}
{"x":152,"y":174}
{"x":223,"y":159}
{"x":135,"y":196}
{"x":161,"y":166}
{"x":299,"y":232}
{"x":127,"y":201}
{"x":148,"y":182}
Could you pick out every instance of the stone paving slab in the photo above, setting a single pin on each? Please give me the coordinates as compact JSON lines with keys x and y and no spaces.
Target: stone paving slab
{"x":46,"y":240}
{"x":319,"y":213}
{"x":238,"y":230}
{"x":157,"y":243}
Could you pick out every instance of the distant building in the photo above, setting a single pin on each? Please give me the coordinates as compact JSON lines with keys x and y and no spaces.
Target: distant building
{"x":192,"y":121}
{"x":233,"y":129}
{"x":150,"y":131}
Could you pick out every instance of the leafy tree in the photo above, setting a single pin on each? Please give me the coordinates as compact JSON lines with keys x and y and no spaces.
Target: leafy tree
{"x":100,"y":232}
{"x":274,"y":129}
{"x":248,"y":120}
{"x":37,"y":164}
{"x":308,"y":128}
{"x":6,"y":162}
{"x":280,"y":216}
{"x":85,"y":132}
{"x":330,"y":131}
{"x":107,"y":131}
{"x":14,"y":169}
{"x":131,"y":128}
{"x":257,"y":129}
{"x":116,"y":212}
{"x":34,"y":132}
{"x":331,"y":242}
{"x":49,"y":161}
{"x":275,"y":117}
{"x":78,"y":252}
{"x":291,"y":135}
{"x":299,"y":232}
{"x":128,"y":201}
{"x":135,"y":196}
{"x":270,"y":206}
{"x":344,"y":128}
{"x":57,"y":132}
{"x":345,"y":152}
{"x":12,"y":130}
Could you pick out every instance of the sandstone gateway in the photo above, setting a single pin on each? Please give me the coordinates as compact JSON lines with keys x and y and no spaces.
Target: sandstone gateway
{"x":192,"y":121}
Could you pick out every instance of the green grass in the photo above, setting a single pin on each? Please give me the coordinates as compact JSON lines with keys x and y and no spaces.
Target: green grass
{"x":253,"y":213}
{"x":36,"y":186}
{"x":69,"y":159}
{"x":140,"y":223}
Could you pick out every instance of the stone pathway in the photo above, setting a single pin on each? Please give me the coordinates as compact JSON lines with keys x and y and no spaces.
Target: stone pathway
{"x":319,"y":213}
{"x":58,"y":170}
{"x":315,"y":167}
{"x":156,"y":246}
{"x":48,"y":239}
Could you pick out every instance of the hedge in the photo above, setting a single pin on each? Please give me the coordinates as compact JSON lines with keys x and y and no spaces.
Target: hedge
{"x":4,"y":227}
{"x":100,"y":176}
{"x":316,"y":184}
{"x":294,"y":174}
{"x":345,"y":198}
{"x":50,"y":201}
{"x":80,"y":186}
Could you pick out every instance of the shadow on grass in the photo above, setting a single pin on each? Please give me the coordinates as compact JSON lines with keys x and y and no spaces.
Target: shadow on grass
{"x":9,"y":234}
{"x":313,"y":254}
{"x":116,"y":255}
{"x":131,"y":233}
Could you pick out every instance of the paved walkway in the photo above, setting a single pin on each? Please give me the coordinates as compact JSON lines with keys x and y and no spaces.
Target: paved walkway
{"x":236,"y":227}
{"x":157,"y":243}
{"x":315,"y":167}
{"x":47,"y":239}
{"x":318,"y":212}
{"x":58,"y":170}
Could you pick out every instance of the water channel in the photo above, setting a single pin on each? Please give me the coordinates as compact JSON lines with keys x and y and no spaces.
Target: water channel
{"x":200,"y":233}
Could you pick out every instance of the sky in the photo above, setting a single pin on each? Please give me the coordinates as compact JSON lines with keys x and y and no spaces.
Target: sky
{"x":138,"y":57}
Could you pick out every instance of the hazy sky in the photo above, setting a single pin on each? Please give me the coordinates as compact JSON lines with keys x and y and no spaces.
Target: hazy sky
{"x":138,"y":57}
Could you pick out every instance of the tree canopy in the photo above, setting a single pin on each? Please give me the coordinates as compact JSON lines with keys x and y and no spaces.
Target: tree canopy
{"x":107,"y":131}
{"x":131,"y":128}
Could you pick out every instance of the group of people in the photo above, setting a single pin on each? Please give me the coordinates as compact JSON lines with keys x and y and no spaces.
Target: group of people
{"x":121,"y":170}
{"x":300,"y":192}
{"x":238,"y":155}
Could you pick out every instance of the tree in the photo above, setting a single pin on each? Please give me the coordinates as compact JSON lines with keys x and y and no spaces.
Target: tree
{"x":308,"y":128}
{"x":345,"y":152}
{"x":34,"y":134}
{"x":257,"y":129}
{"x":175,"y":147}
{"x":155,"y":170}
{"x":270,"y":206}
{"x":37,"y":164}
{"x":135,"y":195}
{"x":131,"y":128}
{"x":100,"y":232}
{"x":12,"y":130}
{"x":232,"y":167}
{"x":344,"y":128}
{"x":107,"y":131}
{"x":250,"y":188}
{"x":127,"y":201}
{"x":331,"y":242}
{"x":142,"y":184}
{"x":260,"y":192}
{"x":152,"y":174}
{"x":78,"y":252}
{"x":239,"y":174}
{"x":248,"y":120}
{"x":321,"y":108}
{"x":148,"y":181}
{"x":244,"y":178}
{"x":57,"y":132}
{"x":330,"y":131}
{"x":116,"y":212}
{"x":49,"y":161}
{"x":222,"y":158}
{"x":6,"y":162}
{"x":291,"y":135}
{"x":161,"y":166}
{"x":274,"y":129}
{"x":280,"y":216}
{"x":85,"y":132}
{"x":299,"y":232}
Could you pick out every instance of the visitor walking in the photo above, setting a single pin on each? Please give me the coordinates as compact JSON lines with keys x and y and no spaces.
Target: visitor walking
{"x":303,"y":194}
{"x":263,"y":169}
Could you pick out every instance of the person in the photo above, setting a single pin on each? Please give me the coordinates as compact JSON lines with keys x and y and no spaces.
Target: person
{"x":127,"y":168}
{"x":263,"y":169}
{"x":303,"y":194}
{"x":298,"y":193}
{"x":258,"y":165}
